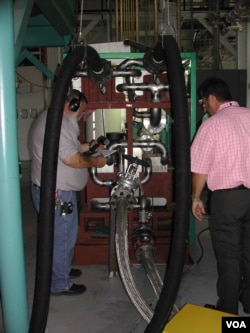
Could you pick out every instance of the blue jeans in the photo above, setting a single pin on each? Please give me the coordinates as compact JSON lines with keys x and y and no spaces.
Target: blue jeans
{"x":65,"y":234}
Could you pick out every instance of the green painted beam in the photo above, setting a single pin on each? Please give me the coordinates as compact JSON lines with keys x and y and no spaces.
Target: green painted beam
{"x":44,"y":37}
{"x":37,"y":63}
{"x":22,"y":10}
{"x":60,"y":14}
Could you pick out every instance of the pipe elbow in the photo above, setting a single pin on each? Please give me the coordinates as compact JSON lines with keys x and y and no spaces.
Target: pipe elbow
{"x":98,"y":181}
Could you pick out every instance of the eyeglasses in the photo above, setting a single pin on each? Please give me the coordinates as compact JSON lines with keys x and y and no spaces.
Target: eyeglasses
{"x":201,"y":101}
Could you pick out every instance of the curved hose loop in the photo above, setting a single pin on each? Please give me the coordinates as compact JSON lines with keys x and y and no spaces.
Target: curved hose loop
{"x":176,"y":260}
{"x":122,"y":253}
{"x":48,"y":183}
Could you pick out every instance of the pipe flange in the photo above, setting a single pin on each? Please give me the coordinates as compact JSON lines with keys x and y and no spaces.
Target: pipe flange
{"x":123,"y":194}
{"x":151,"y":65}
{"x":104,"y":75}
{"x":146,"y":251}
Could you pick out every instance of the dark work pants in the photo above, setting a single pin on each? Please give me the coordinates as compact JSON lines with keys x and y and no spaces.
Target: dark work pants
{"x":230,"y":232}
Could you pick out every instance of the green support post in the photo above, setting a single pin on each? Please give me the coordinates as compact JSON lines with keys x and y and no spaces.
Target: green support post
{"x":12,"y":266}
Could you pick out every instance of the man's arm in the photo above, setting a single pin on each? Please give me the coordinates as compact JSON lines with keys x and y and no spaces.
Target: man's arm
{"x":80,"y":161}
{"x":198,"y":183}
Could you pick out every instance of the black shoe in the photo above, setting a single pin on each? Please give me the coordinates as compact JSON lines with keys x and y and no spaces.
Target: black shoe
{"x":75,"y":273}
{"x":247,"y":311}
{"x":211,"y":306}
{"x":75,"y":289}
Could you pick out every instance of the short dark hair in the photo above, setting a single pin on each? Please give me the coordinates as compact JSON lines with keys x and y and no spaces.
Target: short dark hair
{"x":217,"y":87}
{"x":74,"y":93}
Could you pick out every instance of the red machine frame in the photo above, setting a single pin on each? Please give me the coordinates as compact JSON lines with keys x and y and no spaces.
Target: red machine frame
{"x":92,"y":247}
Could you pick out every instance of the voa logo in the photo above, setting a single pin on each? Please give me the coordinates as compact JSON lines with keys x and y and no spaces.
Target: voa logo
{"x":235,"y":324}
{"x":232,"y":323}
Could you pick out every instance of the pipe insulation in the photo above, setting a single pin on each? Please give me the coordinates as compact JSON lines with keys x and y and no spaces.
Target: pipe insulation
{"x":182,"y":185}
{"x":48,"y":183}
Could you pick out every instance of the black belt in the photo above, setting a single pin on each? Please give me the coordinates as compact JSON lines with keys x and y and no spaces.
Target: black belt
{"x":240,"y":187}
{"x":35,"y":185}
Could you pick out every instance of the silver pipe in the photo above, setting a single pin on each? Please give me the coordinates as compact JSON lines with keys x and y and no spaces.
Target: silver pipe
{"x":142,"y":144}
{"x":115,"y":73}
{"x":95,"y":204}
{"x":136,"y":144}
{"x":154,"y":88}
{"x":96,"y":180}
{"x":130,"y":62}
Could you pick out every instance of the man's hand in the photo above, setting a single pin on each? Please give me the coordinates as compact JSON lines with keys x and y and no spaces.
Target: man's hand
{"x":79,"y":160}
{"x":98,"y":162}
{"x":198,"y":209}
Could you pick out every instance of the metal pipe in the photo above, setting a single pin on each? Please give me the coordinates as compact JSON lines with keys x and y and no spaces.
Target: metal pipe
{"x":129,"y":62}
{"x":115,"y":73}
{"x":96,"y":180}
{"x":95,"y":204}
{"x":144,"y":144}
{"x":100,"y":182}
{"x":136,"y":144}
{"x":12,"y":266}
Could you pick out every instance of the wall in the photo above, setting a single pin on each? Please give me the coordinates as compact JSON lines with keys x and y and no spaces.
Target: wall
{"x":30,"y":101}
{"x":236,"y":80}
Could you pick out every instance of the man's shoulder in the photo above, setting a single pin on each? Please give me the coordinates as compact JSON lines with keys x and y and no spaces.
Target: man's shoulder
{"x":42,"y":116}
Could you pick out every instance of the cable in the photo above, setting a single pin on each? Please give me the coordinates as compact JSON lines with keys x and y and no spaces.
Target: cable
{"x":202,"y":251}
{"x":201,"y":247}
{"x":80,"y":29}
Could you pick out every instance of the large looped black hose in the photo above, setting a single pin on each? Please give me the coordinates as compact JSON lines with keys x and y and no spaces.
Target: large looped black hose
{"x":176,"y":258}
{"x":48,"y":184}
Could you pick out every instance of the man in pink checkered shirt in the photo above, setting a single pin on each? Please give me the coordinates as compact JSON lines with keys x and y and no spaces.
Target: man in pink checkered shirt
{"x":220,"y":158}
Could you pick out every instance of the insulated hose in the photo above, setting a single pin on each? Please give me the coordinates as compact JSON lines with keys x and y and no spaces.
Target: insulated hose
{"x":45,"y":234}
{"x":176,"y":259}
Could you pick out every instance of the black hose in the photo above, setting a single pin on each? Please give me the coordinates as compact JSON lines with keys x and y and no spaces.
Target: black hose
{"x":48,"y":184}
{"x":178,"y":247}
{"x":95,"y":63}
{"x":159,"y":54}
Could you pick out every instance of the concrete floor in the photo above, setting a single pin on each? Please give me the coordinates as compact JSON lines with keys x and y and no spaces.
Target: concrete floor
{"x":105,"y":307}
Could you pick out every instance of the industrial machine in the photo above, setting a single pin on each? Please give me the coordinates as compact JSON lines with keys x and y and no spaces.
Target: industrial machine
{"x":127,"y":207}
{"x":148,"y":136}
{"x":133,"y":202}
{"x":144,"y":95}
